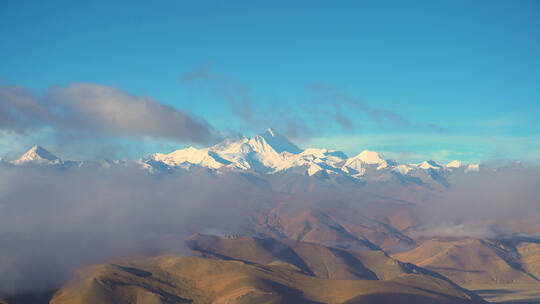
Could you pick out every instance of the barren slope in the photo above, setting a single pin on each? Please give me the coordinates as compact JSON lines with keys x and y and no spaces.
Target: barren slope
{"x":470,"y":261}
{"x":175,"y":279}
{"x":309,"y":258}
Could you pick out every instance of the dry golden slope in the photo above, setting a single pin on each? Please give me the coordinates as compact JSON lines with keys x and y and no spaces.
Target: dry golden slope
{"x":334,"y":228}
{"x":530,"y":257}
{"x":309,"y":258}
{"x":472,"y":261}
{"x":253,"y":270}
{"x":175,"y":279}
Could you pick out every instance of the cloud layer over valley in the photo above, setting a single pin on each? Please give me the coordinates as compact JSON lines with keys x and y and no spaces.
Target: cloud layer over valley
{"x":54,"y":220}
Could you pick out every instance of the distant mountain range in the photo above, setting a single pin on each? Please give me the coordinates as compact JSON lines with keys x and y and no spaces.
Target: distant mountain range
{"x":271,"y":153}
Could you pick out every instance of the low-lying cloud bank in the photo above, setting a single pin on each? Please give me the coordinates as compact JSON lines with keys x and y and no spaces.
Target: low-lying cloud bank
{"x":492,"y":203}
{"x":93,"y":110}
{"x":53,"y":221}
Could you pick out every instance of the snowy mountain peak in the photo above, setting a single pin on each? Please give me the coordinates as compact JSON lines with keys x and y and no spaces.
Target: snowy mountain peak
{"x":361,"y":161}
{"x":472,"y":168}
{"x":279,"y":142}
{"x":403,"y":169}
{"x":190,"y":155}
{"x":369,"y":157}
{"x":454,"y":164}
{"x":429,"y":164}
{"x":259,"y":144}
{"x":38,"y":154}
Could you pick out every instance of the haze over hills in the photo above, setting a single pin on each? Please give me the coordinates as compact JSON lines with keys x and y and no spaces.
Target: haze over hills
{"x":280,"y":223}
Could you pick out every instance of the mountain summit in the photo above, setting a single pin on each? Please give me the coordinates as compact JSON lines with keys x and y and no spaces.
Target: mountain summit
{"x":279,"y":142}
{"x":263,"y":153}
{"x":37,"y":155}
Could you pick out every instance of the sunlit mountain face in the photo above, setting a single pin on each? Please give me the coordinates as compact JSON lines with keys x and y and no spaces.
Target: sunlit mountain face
{"x":245,"y":152}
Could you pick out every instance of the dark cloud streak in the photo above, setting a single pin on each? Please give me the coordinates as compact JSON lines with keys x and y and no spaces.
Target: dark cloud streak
{"x":20,"y":111}
{"x":86,"y":110}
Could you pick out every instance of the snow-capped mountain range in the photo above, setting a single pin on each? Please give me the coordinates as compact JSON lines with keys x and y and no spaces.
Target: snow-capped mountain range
{"x":38,"y":155}
{"x":266,"y":153}
{"x":271,"y":152}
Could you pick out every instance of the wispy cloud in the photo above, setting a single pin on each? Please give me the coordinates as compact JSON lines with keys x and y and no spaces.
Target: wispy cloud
{"x":339,"y":98}
{"x":346,"y":103}
{"x":328,"y":107}
{"x":234,"y":93}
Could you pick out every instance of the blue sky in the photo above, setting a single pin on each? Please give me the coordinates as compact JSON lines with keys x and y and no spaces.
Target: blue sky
{"x":411,"y":79}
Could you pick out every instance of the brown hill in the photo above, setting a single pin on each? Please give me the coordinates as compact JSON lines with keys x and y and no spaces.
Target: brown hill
{"x":530,"y":257}
{"x":339,"y":227}
{"x":175,"y":279}
{"x":472,"y":261}
{"x":309,"y":258}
